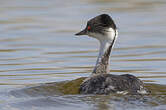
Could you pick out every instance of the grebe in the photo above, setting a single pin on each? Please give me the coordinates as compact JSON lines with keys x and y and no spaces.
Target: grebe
{"x":104,"y":29}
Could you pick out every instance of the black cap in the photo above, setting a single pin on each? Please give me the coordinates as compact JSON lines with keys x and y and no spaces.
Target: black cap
{"x":99,"y":24}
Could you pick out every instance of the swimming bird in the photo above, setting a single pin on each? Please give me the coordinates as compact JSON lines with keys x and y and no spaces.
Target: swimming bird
{"x":104,"y":29}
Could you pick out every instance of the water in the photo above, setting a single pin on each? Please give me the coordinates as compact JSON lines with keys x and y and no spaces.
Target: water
{"x":38,"y":46}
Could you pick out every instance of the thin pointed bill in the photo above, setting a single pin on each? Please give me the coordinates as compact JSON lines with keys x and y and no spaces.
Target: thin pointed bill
{"x":83,"y":32}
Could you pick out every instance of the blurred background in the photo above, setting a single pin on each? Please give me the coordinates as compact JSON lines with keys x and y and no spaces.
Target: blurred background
{"x":38,"y":45}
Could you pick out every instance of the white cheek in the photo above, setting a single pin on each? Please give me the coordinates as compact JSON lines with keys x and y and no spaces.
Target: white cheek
{"x":96,"y":35}
{"x":109,"y":36}
{"x":116,"y":33}
{"x":111,"y":33}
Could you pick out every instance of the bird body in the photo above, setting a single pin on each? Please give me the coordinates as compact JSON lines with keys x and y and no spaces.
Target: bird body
{"x":108,"y":83}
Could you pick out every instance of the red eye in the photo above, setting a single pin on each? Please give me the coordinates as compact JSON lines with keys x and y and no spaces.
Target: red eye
{"x":89,"y":28}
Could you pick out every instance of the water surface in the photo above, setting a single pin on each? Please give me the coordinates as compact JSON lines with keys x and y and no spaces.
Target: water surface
{"x":38,"y":46}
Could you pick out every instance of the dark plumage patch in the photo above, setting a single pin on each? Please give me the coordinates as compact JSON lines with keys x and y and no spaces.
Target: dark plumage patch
{"x":107,"y":20}
{"x":104,"y":19}
{"x":100,"y":23}
{"x":108,"y":83}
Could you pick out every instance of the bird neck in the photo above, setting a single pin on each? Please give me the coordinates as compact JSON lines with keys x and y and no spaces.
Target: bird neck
{"x":102,"y":63}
